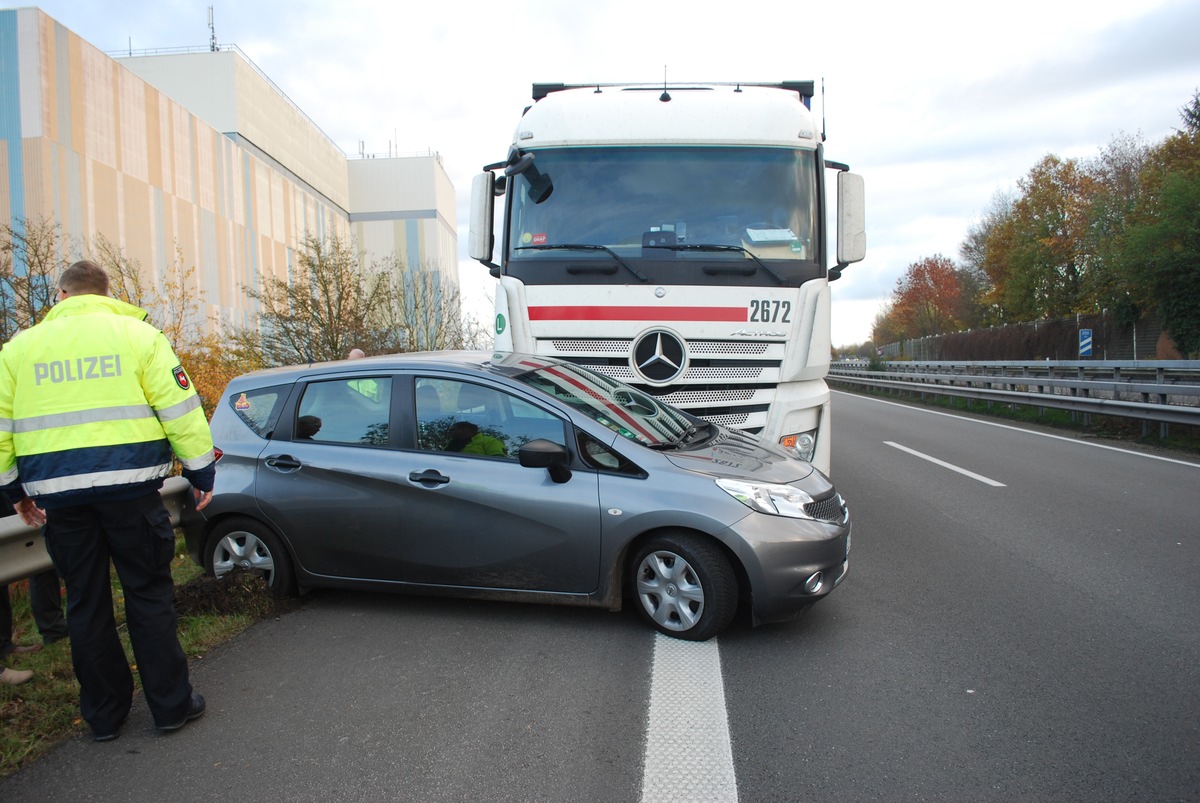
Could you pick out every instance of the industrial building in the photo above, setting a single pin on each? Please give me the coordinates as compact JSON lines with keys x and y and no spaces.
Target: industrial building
{"x":196,"y":157}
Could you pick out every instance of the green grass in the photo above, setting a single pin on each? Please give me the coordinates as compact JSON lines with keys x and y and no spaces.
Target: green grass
{"x":37,"y":716}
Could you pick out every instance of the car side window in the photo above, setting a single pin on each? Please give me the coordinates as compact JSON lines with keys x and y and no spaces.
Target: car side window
{"x":259,"y":409}
{"x":346,"y":411}
{"x":473,"y":419}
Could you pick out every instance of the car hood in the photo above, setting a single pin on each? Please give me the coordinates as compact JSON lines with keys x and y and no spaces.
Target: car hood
{"x":739,"y":456}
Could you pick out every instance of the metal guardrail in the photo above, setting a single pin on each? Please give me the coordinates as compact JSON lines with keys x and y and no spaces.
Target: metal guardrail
{"x":1163,"y":391}
{"x":23,"y":551}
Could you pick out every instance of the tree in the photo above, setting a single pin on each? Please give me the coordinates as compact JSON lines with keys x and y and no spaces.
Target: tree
{"x":1162,"y":243}
{"x":32,"y":256}
{"x":927,"y":296}
{"x":337,"y":301}
{"x":1049,"y":257}
{"x":429,"y":313}
{"x":330,"y":306}
{"x":1116,"y":176}
{"x":986,"y":253}
{"x":887,"y":327}
{"x":1191,"y":115}
{"x":174,"y":304}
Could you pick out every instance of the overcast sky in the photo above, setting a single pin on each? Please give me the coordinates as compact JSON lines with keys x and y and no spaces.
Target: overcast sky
{"x":938,"y":104}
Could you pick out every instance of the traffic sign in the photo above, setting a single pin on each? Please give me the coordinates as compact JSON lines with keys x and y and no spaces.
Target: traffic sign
{"x":1085,"y":342}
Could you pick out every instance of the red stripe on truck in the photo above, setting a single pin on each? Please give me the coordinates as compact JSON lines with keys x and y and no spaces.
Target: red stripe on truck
{"x":582,"y":313}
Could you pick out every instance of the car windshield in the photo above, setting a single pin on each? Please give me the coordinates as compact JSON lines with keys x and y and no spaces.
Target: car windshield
{"x":684,"y":203}
{"x":626,"y":411}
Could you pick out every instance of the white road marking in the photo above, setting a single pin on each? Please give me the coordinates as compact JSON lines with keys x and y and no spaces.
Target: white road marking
{"x":1075,"y":441}
{"x":688,"y":753}
{"x":950,"y":466}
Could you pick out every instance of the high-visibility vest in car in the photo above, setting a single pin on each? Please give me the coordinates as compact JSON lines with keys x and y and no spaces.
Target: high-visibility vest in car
{"x":93,"y":401}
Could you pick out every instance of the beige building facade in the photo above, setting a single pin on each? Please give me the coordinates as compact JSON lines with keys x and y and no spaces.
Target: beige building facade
{"x":197,"y":159}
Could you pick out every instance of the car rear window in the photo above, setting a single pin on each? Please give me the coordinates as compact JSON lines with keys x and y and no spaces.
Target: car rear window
{"x":259,"y":409}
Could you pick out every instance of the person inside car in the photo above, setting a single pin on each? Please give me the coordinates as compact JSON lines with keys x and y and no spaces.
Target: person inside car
{"x":465,"y":437}
{"x":307,"y":426}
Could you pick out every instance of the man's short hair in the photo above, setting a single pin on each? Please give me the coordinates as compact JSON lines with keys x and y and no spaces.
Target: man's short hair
{"x":84,"y":278}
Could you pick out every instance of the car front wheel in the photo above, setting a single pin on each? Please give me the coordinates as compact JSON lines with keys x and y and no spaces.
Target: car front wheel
{"x":248,"y":545}
{"x":685,"y":586}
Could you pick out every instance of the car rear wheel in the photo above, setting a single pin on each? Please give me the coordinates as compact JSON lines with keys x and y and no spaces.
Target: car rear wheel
{"x":250,"y":546}
{"x":685,"y":586}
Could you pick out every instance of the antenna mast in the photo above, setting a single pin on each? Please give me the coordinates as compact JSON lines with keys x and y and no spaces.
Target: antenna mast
{"x":212,"y":32}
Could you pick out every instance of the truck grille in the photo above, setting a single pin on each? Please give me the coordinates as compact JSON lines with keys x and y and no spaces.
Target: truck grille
{"x":728,"y":382}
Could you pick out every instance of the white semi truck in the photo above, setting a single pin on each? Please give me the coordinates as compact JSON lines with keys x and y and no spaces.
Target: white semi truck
{"x":674,"y":237}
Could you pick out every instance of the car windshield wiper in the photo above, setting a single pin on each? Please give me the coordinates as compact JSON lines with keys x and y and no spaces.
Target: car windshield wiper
{"x":584,"y":247}
{"x":719,"y":247}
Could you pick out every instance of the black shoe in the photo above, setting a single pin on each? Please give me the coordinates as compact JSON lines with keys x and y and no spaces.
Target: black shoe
{"x":195,"y":709}
{"x":109,"y":736}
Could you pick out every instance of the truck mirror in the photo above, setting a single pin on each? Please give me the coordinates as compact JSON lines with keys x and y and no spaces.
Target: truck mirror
{"x":851,"y":211}
{"x":479,"y":239}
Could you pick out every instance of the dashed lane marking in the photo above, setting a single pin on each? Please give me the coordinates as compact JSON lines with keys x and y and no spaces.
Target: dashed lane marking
{"x":944,"y":464}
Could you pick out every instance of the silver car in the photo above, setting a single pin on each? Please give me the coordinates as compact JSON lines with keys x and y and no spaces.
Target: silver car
{"x":512,"y":477}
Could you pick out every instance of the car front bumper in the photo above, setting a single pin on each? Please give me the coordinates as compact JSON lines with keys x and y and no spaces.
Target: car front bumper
{"x":790,"y":563}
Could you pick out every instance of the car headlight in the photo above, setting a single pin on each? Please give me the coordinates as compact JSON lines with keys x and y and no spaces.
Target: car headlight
{"x":777,"y":500}
{"x":801,"y":444}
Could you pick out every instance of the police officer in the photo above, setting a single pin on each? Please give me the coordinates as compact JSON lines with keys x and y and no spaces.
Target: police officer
{"x":93,"y":401}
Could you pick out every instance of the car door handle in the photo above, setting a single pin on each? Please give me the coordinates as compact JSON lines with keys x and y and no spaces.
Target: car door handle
{"x":283,"y":462}
{"x":429,"y":478}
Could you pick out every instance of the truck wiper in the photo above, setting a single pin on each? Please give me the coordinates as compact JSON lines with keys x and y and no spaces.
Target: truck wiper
{"x":585,"y":247}
{"x":719,"y":247}
{"x":693,"y":431}
{"x":686,"y":437}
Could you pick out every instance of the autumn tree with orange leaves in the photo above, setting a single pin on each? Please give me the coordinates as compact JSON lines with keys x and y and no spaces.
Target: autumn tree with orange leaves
{"x":927,"y":296}
{"x":933,"y":296}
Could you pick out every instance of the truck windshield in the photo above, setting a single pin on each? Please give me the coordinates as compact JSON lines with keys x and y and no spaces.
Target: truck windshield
{"x":669,"y":205}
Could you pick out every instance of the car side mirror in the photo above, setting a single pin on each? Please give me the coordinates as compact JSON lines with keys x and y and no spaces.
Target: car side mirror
{"x":541,"y":453}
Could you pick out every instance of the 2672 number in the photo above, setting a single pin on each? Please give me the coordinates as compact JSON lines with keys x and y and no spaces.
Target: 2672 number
{"x":770,"y":311}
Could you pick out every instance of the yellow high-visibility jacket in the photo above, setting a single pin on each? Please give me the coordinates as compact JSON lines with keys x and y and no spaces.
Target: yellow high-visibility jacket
{"x":93,"y":401}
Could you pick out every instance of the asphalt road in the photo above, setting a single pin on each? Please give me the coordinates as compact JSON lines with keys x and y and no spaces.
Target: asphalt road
{"x":1026,"y":630}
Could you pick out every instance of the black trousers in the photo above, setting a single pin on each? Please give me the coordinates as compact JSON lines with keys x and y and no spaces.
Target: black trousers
{"x":136,"y":535}
{"x":45,"y":599}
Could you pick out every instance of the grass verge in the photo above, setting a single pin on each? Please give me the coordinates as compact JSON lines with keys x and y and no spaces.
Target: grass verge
{"x":40,"y":714}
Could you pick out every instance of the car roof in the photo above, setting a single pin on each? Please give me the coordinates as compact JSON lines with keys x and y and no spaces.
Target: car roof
{"x":472,"y":360}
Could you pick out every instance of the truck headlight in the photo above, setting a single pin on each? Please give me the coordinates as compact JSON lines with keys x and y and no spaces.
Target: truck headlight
{"x":801,"y":444}
{"x":777,"y":500}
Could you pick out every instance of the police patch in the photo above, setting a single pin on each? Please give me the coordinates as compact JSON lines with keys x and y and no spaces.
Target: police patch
{"x":181,"y":378}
